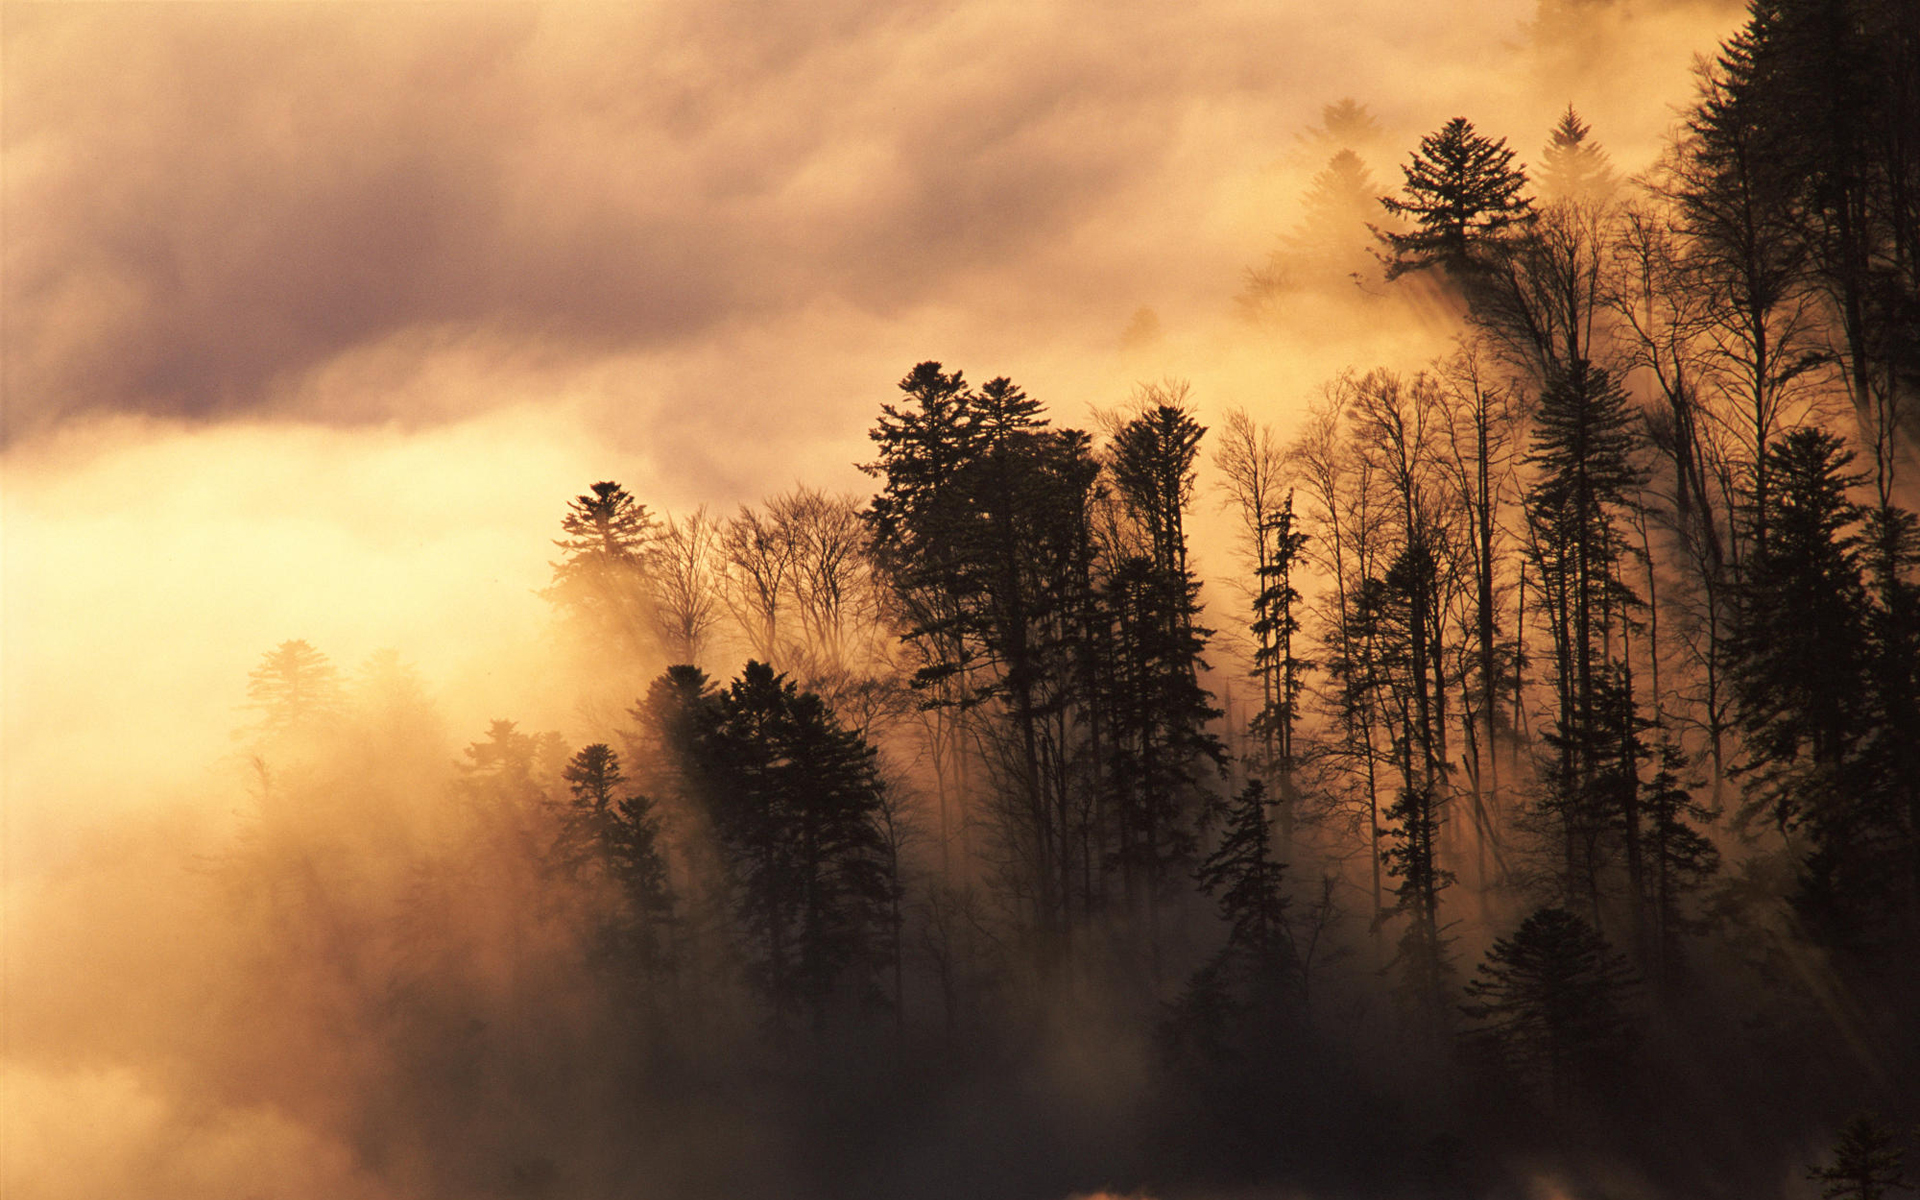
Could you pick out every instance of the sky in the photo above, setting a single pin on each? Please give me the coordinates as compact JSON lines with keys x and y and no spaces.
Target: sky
{"x":315,"y":315}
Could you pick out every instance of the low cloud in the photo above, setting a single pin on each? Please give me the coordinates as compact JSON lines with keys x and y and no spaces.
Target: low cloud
{"x":208,"y":205}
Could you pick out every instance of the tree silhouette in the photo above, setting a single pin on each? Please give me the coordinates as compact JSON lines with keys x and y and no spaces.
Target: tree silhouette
{"x":1553,"y":1001}
{"x":1461,"y":189}
{"x":795,"y":802}
{"x":1248,"y":884}
{"x":604,"y":578}
{"x":982,"y":531}
{"x":609,"y":838}
{"x":1583,"y":449}
{"x":1800,"y":644}
{"x":1412,"y":855}
{"x":1865,"y":1165}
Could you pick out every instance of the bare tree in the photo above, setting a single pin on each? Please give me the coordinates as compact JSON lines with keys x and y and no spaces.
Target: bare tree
{"x":758,"y":550}
{"x":686,"y":583}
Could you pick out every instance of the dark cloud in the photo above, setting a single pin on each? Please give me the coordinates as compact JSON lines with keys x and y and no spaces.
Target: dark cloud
{"x":205,"y":204}
{"x":217,"y":199}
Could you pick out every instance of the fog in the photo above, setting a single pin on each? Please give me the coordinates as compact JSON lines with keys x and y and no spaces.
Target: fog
{"x":317,"y":315}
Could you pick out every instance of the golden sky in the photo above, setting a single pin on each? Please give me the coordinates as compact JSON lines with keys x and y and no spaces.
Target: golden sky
{"x":316,"y":314}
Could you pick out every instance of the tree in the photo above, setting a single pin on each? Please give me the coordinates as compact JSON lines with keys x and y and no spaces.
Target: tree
{"x":1461,"y":190}
{"x":606,"y":837}
{"x":1800,"y":645}
{"x":1276,"y":622}
{"x":1866,"y":1163}
{"x":1233,"y":1002}
{"x":509,"y":770}
{"x":1412,"y":856}
{"x":983,"y":534}
{"x":1583,"y":449}
{"x":831,"y":578}
{"x":1745,"y":256}
{"x":1830,"y":85}
{"x":759,"y":550}
{"x":1553,"y":1003}
{"x":1572,"y":167}
{"x":1159,"y":711}
{"x":1332,"y":232}
{"x":1152,"y":462}
{"x":294,"y":687}
{"x":1249,"y":885}
{"x":1482,"y":431}
{"x":1680,"y":859}
{"x":604,"y":577}
{"x":685,"y":584}
{"x":1251,"y":466}
{"x":795,"y":803}
{"x":1824,"y":680}
{"x":1538,"y":294}
{"x":1330,"y":244}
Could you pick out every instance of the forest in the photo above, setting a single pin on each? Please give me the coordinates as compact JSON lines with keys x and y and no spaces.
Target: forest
{"x":1529,"y":806}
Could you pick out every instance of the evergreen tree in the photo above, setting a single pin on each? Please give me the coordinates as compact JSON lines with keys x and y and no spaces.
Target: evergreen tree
{"x":1160,"y":743}
{"x":294,"y":687}
{"x":1553,"y":1004}
{"x":1461,"y":190}
{"x":794,"y":801}
{"x":1412,"y":855}
{"x":1583,"y":450}
{"x":606,"y":837}
{"x":1249,"y":885}
{"x":1866,"y":1163}
{"x":1276,"y":623}
{"x":1800,"y":646}
{"x":1574,"y":167}
{"x":982,"y":531}
{"x":1832,"y":89}
{"x":510,"y":770}
{"x":604,"y":578}
{"x":1745,"y":258}
{"x":1680,"y":860}
{"x":1331,"y":238}
{"x":1236,"y":996}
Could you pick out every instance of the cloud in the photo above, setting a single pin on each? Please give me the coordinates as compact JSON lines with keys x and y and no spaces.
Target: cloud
{"x":208,"y":204}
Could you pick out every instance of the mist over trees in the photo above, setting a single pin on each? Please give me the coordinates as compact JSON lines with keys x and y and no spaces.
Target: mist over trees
{"x":1538,"y":782}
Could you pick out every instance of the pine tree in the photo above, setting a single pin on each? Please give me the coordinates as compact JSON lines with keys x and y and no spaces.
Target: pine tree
{"x":608,"y":548}
{"x":1866,"y":1163}
{"x":1248,"y":884}
{"x":982,"y":532}
{"x":1461,"y":190}
{"x":1746,"y":261}
{"x":1276,"y":623}
{"x":1583,"y":449}
{"x":1680,"y":860}
{"x":1412,"y":855}
{"x":606,"y":837}
{"x":294,"y":687}
{"x":1800,"y":645}
{"x":794,"y":800}
{"x":1553,"y":1004}
{"x":1331,"y":238}
{"x":1573,"y":167}
{"x":1160,"y":743}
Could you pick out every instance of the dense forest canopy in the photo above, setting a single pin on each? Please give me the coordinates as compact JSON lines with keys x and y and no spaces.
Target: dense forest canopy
{"x":1527,"y":801}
